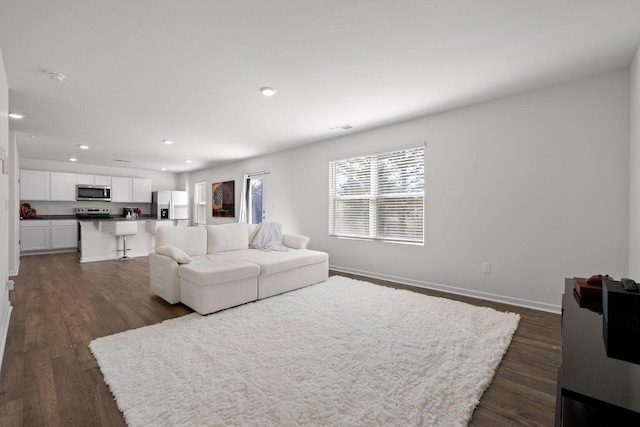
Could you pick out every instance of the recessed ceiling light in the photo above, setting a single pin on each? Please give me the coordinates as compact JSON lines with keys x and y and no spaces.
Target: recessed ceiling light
{"x":16,"y":116}
{"x":163,"y":169}
{"x":84,"y":147}
{"x":268,"y":91}
{"x":187,"y":160}
{"x":167,"y":141}
{"x":73,"y":159}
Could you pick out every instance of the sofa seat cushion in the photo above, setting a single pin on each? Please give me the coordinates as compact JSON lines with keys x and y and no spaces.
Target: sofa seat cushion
{"x":211,"y":269}
{"x":275,"y":262}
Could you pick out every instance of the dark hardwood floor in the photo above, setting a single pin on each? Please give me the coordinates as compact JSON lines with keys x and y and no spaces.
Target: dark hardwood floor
{"x":50,"y":378}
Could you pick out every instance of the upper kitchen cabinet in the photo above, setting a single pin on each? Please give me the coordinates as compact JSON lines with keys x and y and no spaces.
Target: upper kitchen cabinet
{"x":127,"y":190}
{"x":141,"y":190}
{"x":121,"y":189}
{"x":35,"y":185}
{"x":41,"y":185}
{"x":63,"y":186}
{"x":94,"y":180}
{"x":102,"y":180}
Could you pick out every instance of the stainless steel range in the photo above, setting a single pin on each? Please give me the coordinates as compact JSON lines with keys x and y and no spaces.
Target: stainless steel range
{"x":93,"y":213}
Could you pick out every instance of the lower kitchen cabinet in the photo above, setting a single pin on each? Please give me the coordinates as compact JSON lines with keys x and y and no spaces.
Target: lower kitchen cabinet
{"x":45,"y":235}
{"x":35,"y":235}
{"x":64,"y":234}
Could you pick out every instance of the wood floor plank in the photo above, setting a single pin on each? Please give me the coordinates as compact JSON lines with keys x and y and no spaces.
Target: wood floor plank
{"x":11,"y":413}
{"x":40,"y":403}
{"x":73,"y":392}
{"x":35,"y":333}
{"x":11,"y":382}
{"x":50,"y":377}
{"x":84,"y":355}
{"x":57,"y":333}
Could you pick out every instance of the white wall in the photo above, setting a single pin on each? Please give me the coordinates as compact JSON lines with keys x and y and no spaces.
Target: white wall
{"x":14,"y":214}
{"x":5,"y":306}
{"x":536,"y":184}
{"x":634,"y":169}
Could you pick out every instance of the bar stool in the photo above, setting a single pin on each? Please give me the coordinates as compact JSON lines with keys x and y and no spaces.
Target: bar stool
{"x":126,"y":229}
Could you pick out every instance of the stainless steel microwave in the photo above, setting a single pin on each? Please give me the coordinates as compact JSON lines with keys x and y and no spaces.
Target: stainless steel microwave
{"x":99,"y":193}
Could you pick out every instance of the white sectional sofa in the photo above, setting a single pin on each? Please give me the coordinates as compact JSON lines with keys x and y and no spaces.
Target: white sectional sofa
{"x":212,"y":268}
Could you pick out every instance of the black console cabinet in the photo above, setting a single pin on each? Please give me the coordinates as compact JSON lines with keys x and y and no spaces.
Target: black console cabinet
{"x":593,"y":389}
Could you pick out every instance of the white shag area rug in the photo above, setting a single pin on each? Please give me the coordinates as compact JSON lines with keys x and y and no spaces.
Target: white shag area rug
{"x":339,"y":353}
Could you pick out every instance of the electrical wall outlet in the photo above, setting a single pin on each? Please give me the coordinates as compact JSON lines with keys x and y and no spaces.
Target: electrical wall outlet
{"x":10,"y":285}
{"x":486,"y":267}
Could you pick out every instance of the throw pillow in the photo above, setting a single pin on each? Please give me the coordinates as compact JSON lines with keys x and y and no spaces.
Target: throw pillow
{"x":295,"y":241}
{"x":177,"y":254}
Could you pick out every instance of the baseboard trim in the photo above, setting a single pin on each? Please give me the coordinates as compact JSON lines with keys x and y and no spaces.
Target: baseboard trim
{"x":5,"y":333}
{"x":17,"y":270}
{"x":48,"y":251}
{"x":535,"y":305}
{"x":103,"y":258}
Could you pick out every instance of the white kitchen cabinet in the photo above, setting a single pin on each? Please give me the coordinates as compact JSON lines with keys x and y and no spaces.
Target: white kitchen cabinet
{"x":121,"y":189}
{"x":102,"y":180}
{"x":35,"y":185}
{"x":35,"y":235}
{"x":126,"y":190}
{"x":64,"y":233}
{"x":94,"y":179}
{"x":63,"y":186}
{"x":60,"y":186}
{"x":141,"y":190}
{"x":44,"y":235}
{"x":85,"y":179}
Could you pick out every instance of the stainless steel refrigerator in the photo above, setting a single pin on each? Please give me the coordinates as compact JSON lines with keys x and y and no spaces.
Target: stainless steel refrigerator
{"x":168,"y":204}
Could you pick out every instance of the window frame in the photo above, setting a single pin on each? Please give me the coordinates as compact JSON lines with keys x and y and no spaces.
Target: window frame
{"x":198,"y":203}
{"x":373,"y":190}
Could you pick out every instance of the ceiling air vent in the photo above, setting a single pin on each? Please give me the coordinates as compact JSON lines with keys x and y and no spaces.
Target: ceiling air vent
{"x":122,"y":161}
{"x":342,"y":127}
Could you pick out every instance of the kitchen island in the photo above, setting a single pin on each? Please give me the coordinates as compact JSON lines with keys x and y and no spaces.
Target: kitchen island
{"x":99,"y":243}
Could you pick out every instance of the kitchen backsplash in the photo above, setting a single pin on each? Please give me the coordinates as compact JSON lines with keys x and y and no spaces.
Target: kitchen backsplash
{"x":68,"y":208}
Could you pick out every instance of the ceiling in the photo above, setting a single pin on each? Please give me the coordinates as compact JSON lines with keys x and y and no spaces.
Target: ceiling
{"x":139,"y":72}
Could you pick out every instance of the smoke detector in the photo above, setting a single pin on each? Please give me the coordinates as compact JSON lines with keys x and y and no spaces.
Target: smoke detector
{"x":55,"y":76}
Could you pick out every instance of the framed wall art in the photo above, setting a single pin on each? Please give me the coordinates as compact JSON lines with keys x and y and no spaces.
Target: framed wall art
{"x":223,"y":199}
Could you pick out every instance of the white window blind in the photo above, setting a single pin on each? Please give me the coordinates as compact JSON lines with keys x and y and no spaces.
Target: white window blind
{"x":200,"y":203}
{"x":378,"y":196}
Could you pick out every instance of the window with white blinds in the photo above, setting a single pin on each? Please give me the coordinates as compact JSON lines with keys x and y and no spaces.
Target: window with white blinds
{"x":200,"y":203}
{"x":378,"y":196}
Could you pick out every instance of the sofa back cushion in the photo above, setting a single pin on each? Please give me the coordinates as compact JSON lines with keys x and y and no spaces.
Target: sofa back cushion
{"x":192,"y":240}
{"x":227,"y":237}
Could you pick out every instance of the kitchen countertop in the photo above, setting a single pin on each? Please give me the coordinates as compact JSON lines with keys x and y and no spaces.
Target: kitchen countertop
{"x":122,"y":218}
{"x":49,"y":217}
{"x":111,"y":218}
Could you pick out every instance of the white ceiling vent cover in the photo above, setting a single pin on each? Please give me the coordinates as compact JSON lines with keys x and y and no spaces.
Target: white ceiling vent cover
{"x":342,"y":127}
